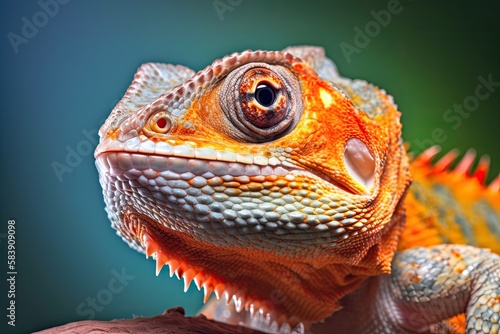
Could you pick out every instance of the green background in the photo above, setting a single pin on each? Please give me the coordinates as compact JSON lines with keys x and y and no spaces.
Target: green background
{"x":67,"y":78}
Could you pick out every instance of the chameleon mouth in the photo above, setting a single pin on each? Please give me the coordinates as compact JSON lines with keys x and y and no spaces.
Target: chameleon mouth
{"x":150,"y":184}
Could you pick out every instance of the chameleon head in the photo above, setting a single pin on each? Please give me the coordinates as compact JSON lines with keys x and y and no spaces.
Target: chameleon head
{"x":265,"y":177}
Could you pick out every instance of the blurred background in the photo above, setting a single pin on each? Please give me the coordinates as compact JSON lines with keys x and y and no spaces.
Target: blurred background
{"x":65,"y":64}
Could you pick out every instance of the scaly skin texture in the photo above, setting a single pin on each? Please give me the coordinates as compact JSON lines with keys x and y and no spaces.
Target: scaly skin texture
{"x":270,"y":179}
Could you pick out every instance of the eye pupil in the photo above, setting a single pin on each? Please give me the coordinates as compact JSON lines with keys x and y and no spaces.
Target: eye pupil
{"x":161,"y":122}
{"x":265,"y":94}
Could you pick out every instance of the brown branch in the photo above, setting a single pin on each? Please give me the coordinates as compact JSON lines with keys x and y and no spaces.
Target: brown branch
{"x":172,"y":321}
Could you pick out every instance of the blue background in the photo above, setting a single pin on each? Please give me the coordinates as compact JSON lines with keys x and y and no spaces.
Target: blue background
{"x":66,"y":79}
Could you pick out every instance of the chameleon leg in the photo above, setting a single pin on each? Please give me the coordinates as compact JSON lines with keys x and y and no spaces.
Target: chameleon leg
{"x":428,"y":285}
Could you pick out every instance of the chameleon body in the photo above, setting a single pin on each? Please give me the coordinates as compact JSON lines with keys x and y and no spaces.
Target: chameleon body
{"x":286,"y":189}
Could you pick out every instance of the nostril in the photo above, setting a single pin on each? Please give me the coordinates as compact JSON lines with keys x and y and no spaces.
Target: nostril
{"x":359,"y":162}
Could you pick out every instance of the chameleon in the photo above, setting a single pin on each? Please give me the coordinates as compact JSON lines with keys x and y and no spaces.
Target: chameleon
{"x":287,"y":190}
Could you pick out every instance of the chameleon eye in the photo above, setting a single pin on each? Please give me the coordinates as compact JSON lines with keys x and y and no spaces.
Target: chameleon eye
{"x":262,"y":101}
{"x":160,"y":123}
